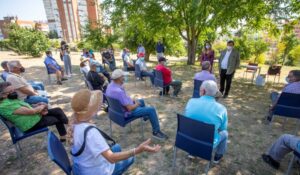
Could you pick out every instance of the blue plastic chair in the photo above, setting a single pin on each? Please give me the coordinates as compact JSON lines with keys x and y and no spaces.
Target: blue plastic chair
{"x":158,"y":80}
{"x":117,"y":115}
{"x":88,"y":84}
{"x":49,"y":72}
{"x":17,"y":135}
{"x":58,"y":154}
{"x":288,"y":105}
{"x":194,"y":137}
{"x":196,"y":92}
{"x":138,"y":73}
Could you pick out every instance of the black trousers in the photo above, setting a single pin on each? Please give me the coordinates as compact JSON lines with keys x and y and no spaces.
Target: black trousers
{"x":225,"y":78}
{"x":55,"y":116}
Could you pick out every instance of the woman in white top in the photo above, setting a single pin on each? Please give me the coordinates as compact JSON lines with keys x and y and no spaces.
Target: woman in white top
{"x":97,"y":157}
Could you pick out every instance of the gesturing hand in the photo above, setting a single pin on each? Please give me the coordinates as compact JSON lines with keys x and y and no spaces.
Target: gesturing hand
{"x":146,"y":147}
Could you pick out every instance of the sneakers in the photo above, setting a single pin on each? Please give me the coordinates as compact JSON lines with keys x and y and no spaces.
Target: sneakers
{"x":225,"y":95}
{"x":269,"y":160}
{"x":64,"y":79}
{"x":217,"y":158}
{"x":59,"y":82}
{"x":160,"y":136}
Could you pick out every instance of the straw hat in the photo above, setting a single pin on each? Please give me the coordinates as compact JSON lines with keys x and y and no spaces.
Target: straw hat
{"x":86,"y":103}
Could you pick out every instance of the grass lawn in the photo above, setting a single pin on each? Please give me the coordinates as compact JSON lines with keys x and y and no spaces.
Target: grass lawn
{"x":247,"y":105}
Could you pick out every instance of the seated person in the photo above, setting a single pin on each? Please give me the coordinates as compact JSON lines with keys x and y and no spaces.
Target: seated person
{"x":293,"y":86}
{"x":167,"y":77}
{"x":97,"y":79}
{"x":5,"y":70}
{"x":85,"y":53}
{"x":54,"y":67}
{"x":206,"y":109}
{"x":84,"y":65}
{"x":97,"y":156}
{"x":144,"y":73}
{"x":129,"y":63}
{"x":100,"y":68}
{"x":205,"y":73}
{"x":133,"y":108}
{"x":108,"y":58}
{"x":35,"y":84}
{"x":281,"y":147}
{"x":28,"y":118}
{"x":24,"y":90}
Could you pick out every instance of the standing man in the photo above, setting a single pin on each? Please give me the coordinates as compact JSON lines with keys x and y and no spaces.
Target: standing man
{"x":229,"y":61}
{"x":141,"y":49}
{"x":160,"y":49}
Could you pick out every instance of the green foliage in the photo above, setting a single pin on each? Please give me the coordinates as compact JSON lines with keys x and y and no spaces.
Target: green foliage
{"x":96,"y":38}
{"x":260,"y":59}
{"x":55,"y":43}
{"x":218,"y":47}
{"x":294,"y":57}
{"x":53,"y":34}
{"x":27,"y":41}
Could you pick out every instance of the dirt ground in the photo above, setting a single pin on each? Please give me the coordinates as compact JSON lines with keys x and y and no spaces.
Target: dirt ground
{"x":247,"y":105}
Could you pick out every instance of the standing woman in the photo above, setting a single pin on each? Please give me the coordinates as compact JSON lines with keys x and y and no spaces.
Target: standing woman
{"x":67,"y":60}
{"x":207,"y":55}
{"x":97,"y":156}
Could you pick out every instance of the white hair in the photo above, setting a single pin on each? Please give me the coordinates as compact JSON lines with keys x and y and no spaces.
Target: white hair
{"x":210,"y":87}
{"x":12,"y":64}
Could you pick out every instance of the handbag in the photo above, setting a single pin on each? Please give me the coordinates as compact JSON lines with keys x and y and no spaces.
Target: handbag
{"x":106,"y":137}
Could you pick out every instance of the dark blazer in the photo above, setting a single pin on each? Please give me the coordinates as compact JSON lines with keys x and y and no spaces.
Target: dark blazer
{"x":233,"y":61}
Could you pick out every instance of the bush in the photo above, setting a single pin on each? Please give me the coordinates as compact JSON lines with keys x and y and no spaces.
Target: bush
{"x":294,"y":57}
{"x":27,"y":41}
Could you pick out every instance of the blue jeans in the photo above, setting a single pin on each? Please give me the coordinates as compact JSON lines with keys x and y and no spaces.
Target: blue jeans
{"x":148,"y":74}
{"x":36,"y":85}
{"x":148,"y":113}
{"x":222,"y":146}
{"x":36,"y":99}
{"x":121,"y":166}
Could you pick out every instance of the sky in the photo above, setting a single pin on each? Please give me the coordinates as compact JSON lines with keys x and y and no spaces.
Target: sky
{"x":24,"y":9}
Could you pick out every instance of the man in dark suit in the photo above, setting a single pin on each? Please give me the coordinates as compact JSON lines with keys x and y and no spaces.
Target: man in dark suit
{"x":229,"y":61}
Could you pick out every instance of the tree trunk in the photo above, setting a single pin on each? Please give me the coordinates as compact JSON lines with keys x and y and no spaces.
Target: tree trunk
{"x":147,"y":56}
{"x":192,"y":44}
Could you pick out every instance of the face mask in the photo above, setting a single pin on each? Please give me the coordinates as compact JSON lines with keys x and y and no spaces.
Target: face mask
{"x":287,"y":79}
{"x":165,"y":63}
{"x":207,"y":46}
{"x":12,"y":96}
{"x":142,"y":58}
{"x":229,"y":47}
{"x":22,"y":69}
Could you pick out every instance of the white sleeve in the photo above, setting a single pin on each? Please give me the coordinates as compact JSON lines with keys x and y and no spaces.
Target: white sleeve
{"x":95,"y":142}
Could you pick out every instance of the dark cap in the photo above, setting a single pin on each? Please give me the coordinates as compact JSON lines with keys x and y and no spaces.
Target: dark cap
{"x":162,"y":59}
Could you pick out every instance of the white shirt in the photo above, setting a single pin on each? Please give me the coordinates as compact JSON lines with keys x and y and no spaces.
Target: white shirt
{"x":224,"y":63}
{"x":142,"y":64}
{"x":85,"y":69}
{"x":90,"y":162}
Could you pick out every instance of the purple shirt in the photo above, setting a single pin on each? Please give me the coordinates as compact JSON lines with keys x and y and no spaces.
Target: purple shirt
{"x":117,"y":91}
{"x":204,"y":75}
{"x":293,"y":88}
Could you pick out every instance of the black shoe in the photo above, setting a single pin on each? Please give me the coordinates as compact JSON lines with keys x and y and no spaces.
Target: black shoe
{"x":160,"y":136}
{"x":225,"y":95}
{"x":269,"y":118}
{"x":269,"y":160}
{"x":59,"y":82}
{"x":217,"y":158}
{"x":64,"y":79}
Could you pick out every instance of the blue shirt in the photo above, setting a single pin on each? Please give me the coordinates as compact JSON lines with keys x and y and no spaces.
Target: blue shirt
{"x":204,"y":75}
{"x":207,"y":110}
{"x":51,"y":61}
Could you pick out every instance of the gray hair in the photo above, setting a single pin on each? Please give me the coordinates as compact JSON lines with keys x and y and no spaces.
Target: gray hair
{"x":205,"y":65}
{"x":210,"y":87}
{"x":12,"y":64}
